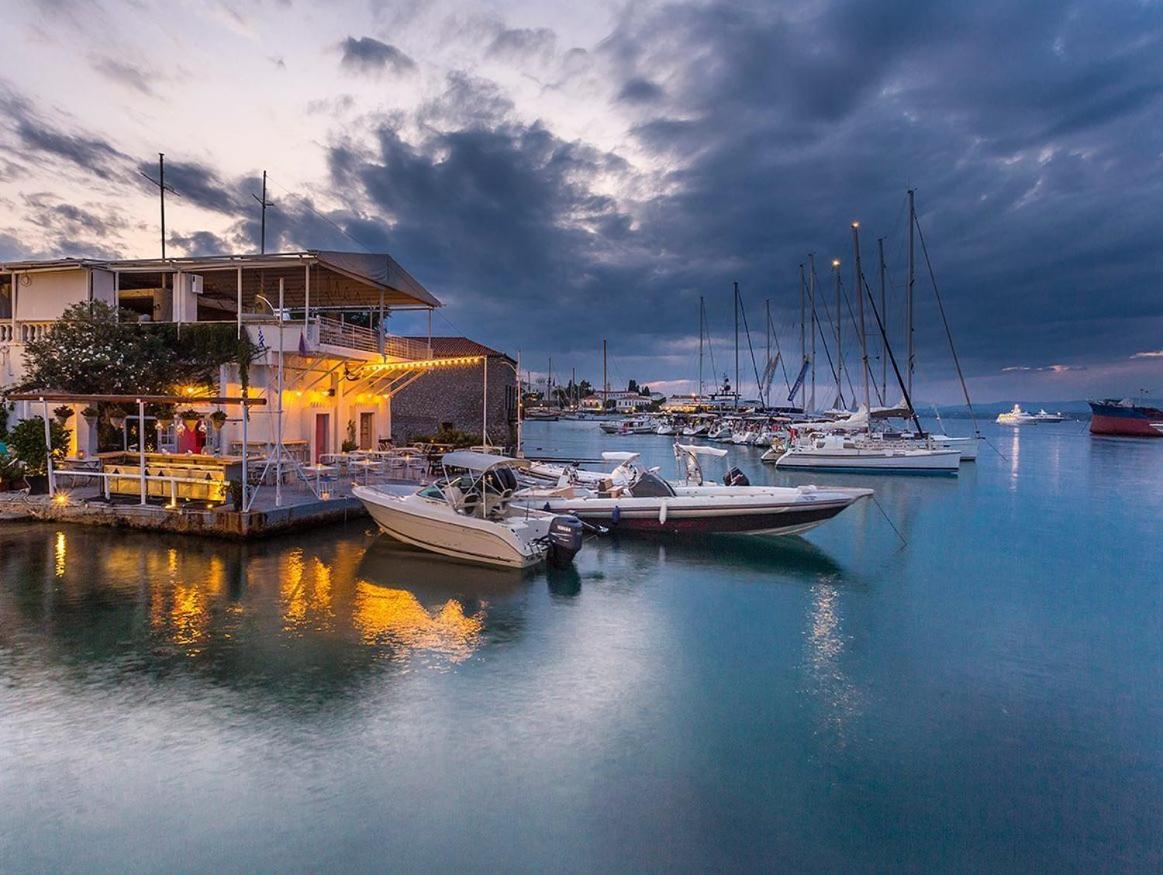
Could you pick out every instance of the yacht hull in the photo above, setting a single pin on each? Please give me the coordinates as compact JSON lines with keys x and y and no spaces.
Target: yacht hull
{"x":468,"y":539}
{"x":759,"y":514}
{"x":904,"y":462}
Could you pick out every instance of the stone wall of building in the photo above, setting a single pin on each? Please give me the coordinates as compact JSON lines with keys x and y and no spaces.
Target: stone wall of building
{"x":454,"y":396}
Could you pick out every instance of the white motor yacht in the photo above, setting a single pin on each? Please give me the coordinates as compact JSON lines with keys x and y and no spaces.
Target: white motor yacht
{"x":468,"y":514}
{"x":1017,"y":416}
{"x":837,"y":452}
{"x":635,"y":499}
{"x":1043,"y":416}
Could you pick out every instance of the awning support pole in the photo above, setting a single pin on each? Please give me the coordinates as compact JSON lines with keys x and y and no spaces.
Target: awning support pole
{"x":485,"y":403}
{"x":307,"y":299}
{"x":238,"y":315}
{"x":48,"y":451}
{"x":141,"y":444}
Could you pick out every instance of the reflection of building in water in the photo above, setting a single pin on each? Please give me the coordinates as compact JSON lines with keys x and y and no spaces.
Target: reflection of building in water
{"x":824,"y":638}
{"x":396,"y":617}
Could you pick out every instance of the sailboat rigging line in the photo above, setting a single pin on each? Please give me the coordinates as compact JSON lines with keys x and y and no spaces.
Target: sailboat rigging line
{"x":750,"y":348}
{"x":948,"y":332}
{"x":856,"y":325}
{"x":778,"y":351}
{"x":824,"y":341}
{"x":839,"y":353}
{"x":891,"y":357}
{"x":888,"y":519}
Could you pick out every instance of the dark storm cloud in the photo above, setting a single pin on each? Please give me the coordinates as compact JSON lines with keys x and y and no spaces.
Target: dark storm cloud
{"x":519,"y":43}
{"x":639,"y":90}
{"x":34,"y":134}
{"x":369,"y":55}
{"x":199,"y":185}
{"x":126,"y":74}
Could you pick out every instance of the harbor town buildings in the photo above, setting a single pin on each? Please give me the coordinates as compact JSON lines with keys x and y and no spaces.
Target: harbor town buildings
{"x":324,"y":316}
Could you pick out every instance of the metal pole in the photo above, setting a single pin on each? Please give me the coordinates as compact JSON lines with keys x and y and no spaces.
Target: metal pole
{"x":245,"y":449}
{"x":485,"y":402}
{"x":702,"y":331}
{"x":279,"y":422}
{"x":238,"y":314}
{"x":839,"y":338}
{"x":520,"y":405}
{"x":883,"y":309}
{"x":48,"y":451}
{"x":263,"y":232}
{"x":910,"y":355}
{"x":307,"y":298}
{"x":812,"y":299}
{"x":766,"y":399}
{"x":857,"y":280}
{"x":735,"y":301}
{"x":803,"y":338}
{"x":161,"y":164}
{"x":141,"y":445}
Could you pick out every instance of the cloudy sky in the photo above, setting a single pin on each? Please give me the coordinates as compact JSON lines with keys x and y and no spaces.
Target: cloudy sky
{"x":560,"y":172}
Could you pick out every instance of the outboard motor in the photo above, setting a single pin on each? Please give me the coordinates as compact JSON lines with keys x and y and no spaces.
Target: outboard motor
{"x":735,"y":477}
{"x":565,"y":540}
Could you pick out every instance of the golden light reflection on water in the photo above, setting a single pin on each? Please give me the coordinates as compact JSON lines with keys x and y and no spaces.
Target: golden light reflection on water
{"x":825,"y":645}
{"x":396,"y":617}
{"x":60,"y":552}
{"x":305,"y":590}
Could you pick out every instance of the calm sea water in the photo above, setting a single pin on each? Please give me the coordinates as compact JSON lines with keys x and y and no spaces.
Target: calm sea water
{"x":989,"y":696}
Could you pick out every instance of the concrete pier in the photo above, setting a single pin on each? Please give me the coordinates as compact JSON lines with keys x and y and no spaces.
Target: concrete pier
{"x":300,"y":510}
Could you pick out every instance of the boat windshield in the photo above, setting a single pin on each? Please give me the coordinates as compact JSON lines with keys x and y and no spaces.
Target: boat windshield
{"x":650,"y":485}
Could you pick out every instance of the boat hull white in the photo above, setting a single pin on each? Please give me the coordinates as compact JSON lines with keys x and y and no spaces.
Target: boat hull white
{"x":429,"y":526}
{"x":711,"y":510}
{"x":886,"y":460}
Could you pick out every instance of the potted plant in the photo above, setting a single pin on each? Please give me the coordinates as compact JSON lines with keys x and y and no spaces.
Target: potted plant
{"x":26,"y":440}
{"x":190,"y":418}
{"x":90,"y":414}
{"x":218,"y":419}
{"x":350,"y":445}
{"x":63,"y":413}
{"x":115,"y":416}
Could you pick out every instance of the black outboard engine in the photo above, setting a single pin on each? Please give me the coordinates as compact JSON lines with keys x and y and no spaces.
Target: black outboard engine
{"x":565,"y":539}
{"x":735,"y":477}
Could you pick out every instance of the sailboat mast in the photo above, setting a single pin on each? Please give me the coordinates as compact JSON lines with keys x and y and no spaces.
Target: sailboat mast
{"x":857,"y":282}
{"x":910,"y":355}
{"x":766,"y":391}
{"x":702,"y":332}
{"x":803,"y":338}
{"x":812,"y":297}
{"x":839,"y":338}
{"x":605,"y":380}
{"x":736,"y":302}
{"x":549,"y":383}
{"x":883,"y":309}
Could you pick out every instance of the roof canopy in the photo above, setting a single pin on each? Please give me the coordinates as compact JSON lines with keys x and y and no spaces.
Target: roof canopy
{"x":480,"y":462}
{"x":338,"y":279}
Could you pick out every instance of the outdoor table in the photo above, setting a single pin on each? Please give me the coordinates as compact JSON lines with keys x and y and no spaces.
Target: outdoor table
{"x":367,"y":465}
{"x":319,"y":471}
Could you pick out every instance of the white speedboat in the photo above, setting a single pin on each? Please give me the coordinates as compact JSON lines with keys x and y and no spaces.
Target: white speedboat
{"x":837,"y":452}
{"x":468,"y":514}
{"x":638,"y":500}
{"x":666,"y":428}
{"x":1017,"y":416}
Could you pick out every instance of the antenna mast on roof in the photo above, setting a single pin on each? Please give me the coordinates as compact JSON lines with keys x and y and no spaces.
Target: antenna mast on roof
{"x":264,"y":203}
{"x":162,"y":188}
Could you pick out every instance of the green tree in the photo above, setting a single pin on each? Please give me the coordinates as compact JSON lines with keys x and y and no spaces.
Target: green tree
{"x":26,"y":440}
{"x":632,"y":386}
{"x":90,"y":350}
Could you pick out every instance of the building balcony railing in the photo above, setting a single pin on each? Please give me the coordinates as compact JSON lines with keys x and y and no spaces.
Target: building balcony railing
{"x":23,"y":332}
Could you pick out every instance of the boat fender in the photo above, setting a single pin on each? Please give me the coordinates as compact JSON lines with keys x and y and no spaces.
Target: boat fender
{"x":616,"y":515}
{"x":565,"y":540}
{"x":662,"y":513}
{"x":807,"y":488}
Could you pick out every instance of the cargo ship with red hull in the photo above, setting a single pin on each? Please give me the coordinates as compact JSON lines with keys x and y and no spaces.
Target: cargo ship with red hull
{"x":1125,"y":418}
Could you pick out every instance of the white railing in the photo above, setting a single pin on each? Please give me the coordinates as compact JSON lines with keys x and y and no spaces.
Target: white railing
{"x":336,"y":333}
{"x":7,"y":332}
{"x":34,"y":330}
